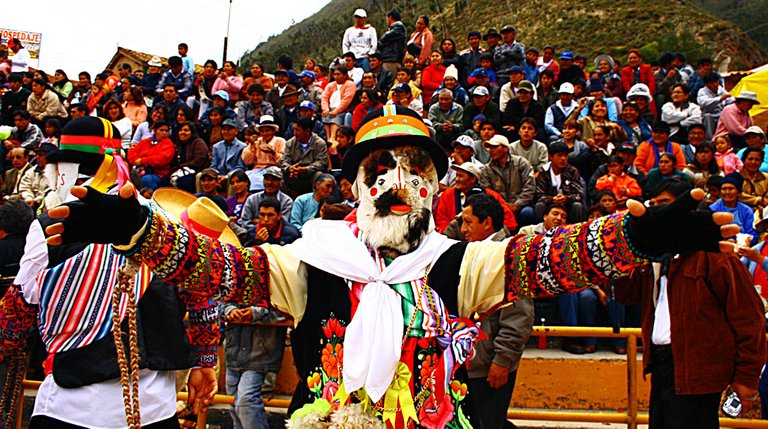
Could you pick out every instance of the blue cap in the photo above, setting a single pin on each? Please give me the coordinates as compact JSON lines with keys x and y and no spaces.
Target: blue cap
{"x":566,"y":55}
{"x":517,"y":69}
{"x":306,"y":73}
{"x":403,"y":87}
{"x":481,"y":72}
{"x":221,"y":93}
{"x":306,"y":104}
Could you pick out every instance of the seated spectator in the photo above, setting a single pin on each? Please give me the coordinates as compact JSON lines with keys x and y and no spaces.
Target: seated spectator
{"x":607,"y":201}
{"x":508,"y":90}
{"x":134,"y":106}
{"x":743,"y":215}
{"x":463,"y":151}
{"x":384,"y":78}
{"x":578,"y":154}
{"x":555,"y":216}
{"x":634,"y":73}
{"x":635,"y":127}
{"x":304,"y":159}
{"x":512,"y":177}
{"x":545,"y":91}
{"x":273,"y":177}
{"x":481,"y":79}
{"x":191,"y":157}
{"x":403,"y":75}
{"x":402,"y":95}
{"x":24,"y":134}
{"x":558,"y":112}
{"x":451,"y":82}
{"x":713,"y":191}
{"x":144,"y":130}
{"x":20,"y":163}
{"x":641,"y":95}
{"x":696,"y":81}
{"x":600,"y":149}
{"x":666,"y":76}
{"x":250,"y":111}
{"x":560,"y":183}
{"x":756,"y":260}
{"x":648,"y":152}
{"x":51,"y":132}
{"x":14,"y":99}
{"x":171,"y":102}
{"x":726,"y":158}
{"x":703,"y":166}
{"x":355,"y":73}
{"x":229,"y":81}
{"x":534,"y":151}
{"x":611,"y":80}
{"x":735,"y":120}
{"x":34,"y":185}
{"x":262,"y":151}
{"x":755,"y":190}
{"x":697,"y":135}
{"x":598,"y":115}
{"x":239,"y":183}
{"x":523,"y":106}
{"x":369,"y":101}
{"x":481,"y":104}
{"x":213,"y":129}
{"x":15,"y":219}
{"x":447,"y":118}
{"x":453,"y":199}
{"x":43,"y":103}
{"x":569,"y":72}
{"x":227,"y":154}
{"x":307,"y":109}
{"x":665,"y":171}
{"x":712,"y":97}
{"x":152,"y":157}
{"x":280,"y":84}
{"x":176,"y":77}
{"x":680,"y":113}
{"x":432,"y":76}
{"x":210,"y":182}
{"x":337,"y":97}
{"x":307,"y":206}
{"x":596,"y":91}
{"x":756,"y":138}
{"x":345,"y":138}
{"x":627,"y":152}
{"x":272,"y":227}
{"x":622,"y":185}
{"x":287,"y":114}
{"x":113,"y":112}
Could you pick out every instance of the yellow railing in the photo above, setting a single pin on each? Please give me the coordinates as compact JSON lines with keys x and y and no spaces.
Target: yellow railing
{"x":632,"y":418}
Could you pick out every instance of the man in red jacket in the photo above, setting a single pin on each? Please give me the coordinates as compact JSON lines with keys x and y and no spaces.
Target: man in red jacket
{"x":703,"y":330}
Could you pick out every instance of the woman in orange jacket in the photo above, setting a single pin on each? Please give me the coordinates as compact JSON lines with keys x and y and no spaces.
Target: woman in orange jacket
{"x":648,"y":152}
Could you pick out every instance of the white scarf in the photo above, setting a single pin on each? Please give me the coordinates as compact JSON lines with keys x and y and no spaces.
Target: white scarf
{"x":374,"y":336}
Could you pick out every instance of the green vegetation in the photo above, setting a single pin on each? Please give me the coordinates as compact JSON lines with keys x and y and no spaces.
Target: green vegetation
{"x":588,"y":28}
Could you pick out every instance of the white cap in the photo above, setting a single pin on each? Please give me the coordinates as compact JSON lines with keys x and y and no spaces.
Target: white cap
{"x":496,"y":140}
{"x":566,"y":88}
{"x":468,"y":167}
{"x":360,"y":13}
{"x":754,"y":129}
{"x":481,"y":91}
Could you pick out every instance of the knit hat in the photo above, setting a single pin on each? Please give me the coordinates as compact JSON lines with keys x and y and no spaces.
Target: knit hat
{"x":661,"y":126}
{"x":734,"y":179}
{"x":451,"y":71}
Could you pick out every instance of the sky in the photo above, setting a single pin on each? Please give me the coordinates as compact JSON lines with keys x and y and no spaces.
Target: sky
{"x":82,"y":35}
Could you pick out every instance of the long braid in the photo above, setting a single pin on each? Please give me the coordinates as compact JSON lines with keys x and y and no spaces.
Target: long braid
{"x":129,"y":377}
{"x":13,"y":385}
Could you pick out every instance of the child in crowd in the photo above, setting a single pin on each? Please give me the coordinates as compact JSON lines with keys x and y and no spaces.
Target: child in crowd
{"x":607,"y":200}
{"x":726,"y":158}
{"x":619,"y":183}
{"x":51,"y":132}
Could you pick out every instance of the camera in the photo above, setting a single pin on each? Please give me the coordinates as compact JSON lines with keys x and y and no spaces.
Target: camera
{"x":732,"y":405}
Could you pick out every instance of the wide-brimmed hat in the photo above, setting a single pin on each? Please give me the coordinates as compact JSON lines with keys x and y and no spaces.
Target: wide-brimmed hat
{"x":491,"y":32}
{"x":748,"y":96}
{"x":388,"y":127}
{"x":155,"y":62}
{"x":268,"y":121}
{"x":290,"y":90}
{"x":201,"y":215}
{"x":606,"y":58}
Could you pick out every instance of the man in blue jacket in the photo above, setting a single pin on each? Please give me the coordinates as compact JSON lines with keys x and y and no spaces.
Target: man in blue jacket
{"x":392,"y":43}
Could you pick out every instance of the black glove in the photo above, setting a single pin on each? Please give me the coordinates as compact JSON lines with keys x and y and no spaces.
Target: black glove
{"x":101,"y":218}
{"x":675,"y":228}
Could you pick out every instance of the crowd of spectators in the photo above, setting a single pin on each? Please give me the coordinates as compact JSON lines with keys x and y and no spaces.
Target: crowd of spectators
{"x":552,"y":140}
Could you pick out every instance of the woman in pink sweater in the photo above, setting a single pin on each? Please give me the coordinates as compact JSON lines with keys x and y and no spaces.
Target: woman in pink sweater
{"x":134,"y":106}
{"x":337,"y":97}
{"x":229,"y":81}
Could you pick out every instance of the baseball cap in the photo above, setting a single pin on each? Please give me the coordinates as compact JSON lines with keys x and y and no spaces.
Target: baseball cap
{"x":526,"y":86}
{"x":481,"y":72}
{"x":229,"y":123}
{"x":507,"y":28}
{"x":566,"y":88}
{"x":274,"y":172}
{"x":222,"y":94}
{"x":468,"y":167}
{"x":464,"y":141}
{"x":496,"y":140}
{"x":209,"y":172}
{"x":515,"y":69}
{"x":360,"y":13}
{"x":480,"y":91}
{"x":402,"y":87}
{"x":306,"y":104}
{"x":754,"y":129}
{"x":566,"y":55}
{"x":307,"y":73}
{"x":627,"y":147}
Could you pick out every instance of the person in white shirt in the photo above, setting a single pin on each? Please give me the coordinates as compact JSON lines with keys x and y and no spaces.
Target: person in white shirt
{"x":355,"y":73}
{"x":361,"y":40}
{"x":557,"y":113}
{"x":20,"y":60}
{"x":712,"y":98}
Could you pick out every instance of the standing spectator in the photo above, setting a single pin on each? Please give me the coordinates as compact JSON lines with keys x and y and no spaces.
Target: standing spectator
{"x":44,"y":103}
{"x":534,"y":151}
{"x":392,"y":43}
{"x":735,"y":119}
{"x":743,"y":215}
{"x":680,"y":113}
{"x":186,"y":60}
{"x":113,"y":111}
{"x":304,"y":159}
{"x":559,"y":183}
{"x":447,"y":118}
{"x":493,"y":369}
{"x":176,"y":77}
{"x":191,"y":157}
{"x":360,"y":39}
{"x":754,"y":192}
{"x":470,"y":57}
{"x":15,"y":99}
{"x":249,"y":218}
{"x":227,"y":154}
{"x":337,"y":97}
{"x":422,"y":38}
{"x":384,"y":78}
{"x":648,"y":152}
{"x":229,"y":81}
{"x":512,"y":177}
{"x":508,"y":54}
{"x":134,"y":106}
{"x":20,"y":60}
{"x":307,"y":206}
{"x":153,"y":156}
{"x":636,"y":72}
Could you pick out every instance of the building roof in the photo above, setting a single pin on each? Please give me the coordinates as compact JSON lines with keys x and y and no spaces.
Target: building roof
{"x":138,"y":57}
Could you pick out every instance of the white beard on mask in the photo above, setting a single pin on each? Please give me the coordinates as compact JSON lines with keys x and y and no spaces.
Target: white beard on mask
{"x":395,"y":211}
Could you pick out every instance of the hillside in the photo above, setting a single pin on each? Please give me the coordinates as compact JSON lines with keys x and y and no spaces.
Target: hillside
{"x":750,"y":15}
{"x":588,"y":28}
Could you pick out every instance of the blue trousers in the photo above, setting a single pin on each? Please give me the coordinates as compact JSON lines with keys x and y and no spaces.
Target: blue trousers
{"x":245,"y":386}
{"x":580,"y":309}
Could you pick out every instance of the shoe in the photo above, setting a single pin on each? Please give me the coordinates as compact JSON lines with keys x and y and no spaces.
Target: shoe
{"x":574,"y":348}
{"x":620,"y":350}
{"x":590,"y":349}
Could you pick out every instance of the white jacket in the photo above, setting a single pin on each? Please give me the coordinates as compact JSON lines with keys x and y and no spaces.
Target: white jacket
{"x":361,"y":41}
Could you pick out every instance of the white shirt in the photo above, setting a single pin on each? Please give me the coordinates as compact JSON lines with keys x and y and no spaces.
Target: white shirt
{"x":556,"y":180}
{"x":662,"y":332}
{"x":360,"y":41}
{"x":20,"y":61}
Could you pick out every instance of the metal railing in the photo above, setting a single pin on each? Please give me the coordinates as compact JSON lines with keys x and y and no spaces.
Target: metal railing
{"x":631,"y":417}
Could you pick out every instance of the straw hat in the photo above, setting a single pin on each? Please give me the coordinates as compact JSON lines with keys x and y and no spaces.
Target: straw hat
{"x":201,"y":215}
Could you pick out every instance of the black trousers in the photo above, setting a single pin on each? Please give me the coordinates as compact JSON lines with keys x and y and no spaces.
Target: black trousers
{"x":45,"y":422}
{"x":672,"y":411}
{"x":492,"y":404}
